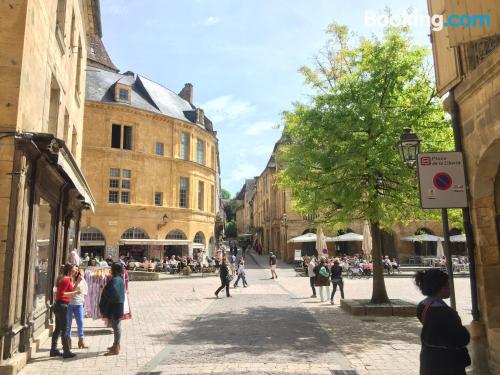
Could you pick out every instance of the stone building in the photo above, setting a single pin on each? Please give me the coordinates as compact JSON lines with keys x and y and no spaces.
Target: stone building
{"x":244,"y":213}
{"x":151,"y":159}
{"x":467,"y":65}
{"x":43,"y":45}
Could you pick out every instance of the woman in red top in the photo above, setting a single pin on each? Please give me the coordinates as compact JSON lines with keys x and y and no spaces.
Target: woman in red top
{"x":65,"y":290}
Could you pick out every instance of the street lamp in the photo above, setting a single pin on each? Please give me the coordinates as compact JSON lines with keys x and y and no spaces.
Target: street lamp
{"x":408,"y":146}
{"x":164,"y":220}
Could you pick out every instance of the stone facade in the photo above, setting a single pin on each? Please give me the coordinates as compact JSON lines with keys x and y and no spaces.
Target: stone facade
{"x":43,"y":45}
{"x":154,"y":165}
{"x":467,"y":64}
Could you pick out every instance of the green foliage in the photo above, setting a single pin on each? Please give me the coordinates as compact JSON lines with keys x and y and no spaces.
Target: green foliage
{"x":344,"y":141}
{"x":231,"y":231}
{"x":224,"y":194}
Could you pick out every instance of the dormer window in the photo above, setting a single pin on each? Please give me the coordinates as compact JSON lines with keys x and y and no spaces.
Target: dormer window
{"x":122,"y":93}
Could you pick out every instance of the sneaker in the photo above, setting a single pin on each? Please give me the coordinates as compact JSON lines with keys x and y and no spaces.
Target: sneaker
{"x":313,"y":296}
{"x":55,"y":353}
{"x":69,"y":355}
{"x":331,"y":302}
{"x":216,"y":295}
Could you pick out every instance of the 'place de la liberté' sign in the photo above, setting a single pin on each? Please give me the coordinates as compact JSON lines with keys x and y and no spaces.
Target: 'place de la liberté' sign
{"x":442,"y":180}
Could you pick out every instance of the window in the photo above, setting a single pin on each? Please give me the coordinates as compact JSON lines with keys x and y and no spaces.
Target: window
{"x":61,"y":15}
{"x":119,"y":186}
{"x":74,"y":141}
{"x":113,"y":196}
{"x":200,"y":152}
{"x":125,"y":197}
{"x":78,"y":69}
{"x":212,"y":198}
{"x":201,"y":193}
{"x":185,"y":146}
{"x":158,"y":199}
{"x":121,"y":137}
{"x":159,"y":149}
{"x":183,"y":192}
{"x":55,"y":94}
{"x":123,"y":95}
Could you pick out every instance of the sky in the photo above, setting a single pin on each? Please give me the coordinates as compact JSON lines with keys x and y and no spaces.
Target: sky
{"x":242,"y":57}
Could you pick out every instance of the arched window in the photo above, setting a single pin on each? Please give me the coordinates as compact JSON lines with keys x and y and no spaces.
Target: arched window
{"x":134,"y":234}
{"x":176,"y":235}
{"x":91,"y":234}
{"x":199,"y":238}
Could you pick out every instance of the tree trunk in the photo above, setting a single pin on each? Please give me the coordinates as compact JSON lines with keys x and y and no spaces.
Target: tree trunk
{"x":379,"y":294}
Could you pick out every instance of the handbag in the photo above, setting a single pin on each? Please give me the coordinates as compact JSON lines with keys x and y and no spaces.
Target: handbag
{"x":229,"y":278}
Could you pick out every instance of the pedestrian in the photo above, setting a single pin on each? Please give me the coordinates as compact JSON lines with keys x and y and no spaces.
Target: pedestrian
{"x":74,"y":258}
{"x":322,"y":279}
{"x":112,"y":305}
{"x":272,"y":265}
{"x":312,"y":276}
{"x":241,"y":274}
{"x":225,"y":278}
{"x":76,"y":309}
{"x":336,"y":276}
{"x":232,"y":263}
{"x":444,"y":339}
{"x":65,"y":291}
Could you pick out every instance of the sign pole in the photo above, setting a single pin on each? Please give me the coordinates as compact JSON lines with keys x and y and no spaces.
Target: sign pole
{"x":449,"y":261}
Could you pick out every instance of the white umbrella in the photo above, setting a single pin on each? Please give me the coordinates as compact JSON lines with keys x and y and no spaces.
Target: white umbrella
{"x":458,"y":238}
{"x":423,"y":238}
{"x":308,"y":237}
{"x":348,"y":237}
{"x":440,"y":251}
{"x":367,"y":239}
{"x":320,"y":241}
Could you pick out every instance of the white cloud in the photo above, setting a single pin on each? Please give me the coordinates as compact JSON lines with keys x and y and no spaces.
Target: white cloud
{"x":242,"y":171}
{"x":212,"y":20}
{"x":225,"y":108}
{"x":259,"y":127}
{"x":116,"y":7}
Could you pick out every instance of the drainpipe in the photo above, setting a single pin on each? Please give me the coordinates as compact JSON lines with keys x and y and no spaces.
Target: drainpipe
{"x":469,"y":234}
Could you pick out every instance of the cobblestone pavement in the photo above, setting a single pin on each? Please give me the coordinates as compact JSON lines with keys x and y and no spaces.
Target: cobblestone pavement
{"x":271,"y":327}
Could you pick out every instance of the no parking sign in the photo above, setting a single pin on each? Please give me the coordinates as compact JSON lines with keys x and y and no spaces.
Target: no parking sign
{"x":442,"y":180}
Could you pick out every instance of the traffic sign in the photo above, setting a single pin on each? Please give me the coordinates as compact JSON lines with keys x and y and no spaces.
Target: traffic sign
{"x":441,"y":180}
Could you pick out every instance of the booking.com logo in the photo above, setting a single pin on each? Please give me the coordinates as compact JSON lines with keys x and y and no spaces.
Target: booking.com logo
{"x":437,"y":21}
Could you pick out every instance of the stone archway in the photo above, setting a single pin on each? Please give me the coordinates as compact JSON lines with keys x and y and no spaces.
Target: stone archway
{"x":176,"y":250}
{"x":137,"y":252}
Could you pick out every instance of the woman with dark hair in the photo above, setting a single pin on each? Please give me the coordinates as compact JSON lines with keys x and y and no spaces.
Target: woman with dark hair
{"x":444,"y":338}
{"x":112,"y":303}
{"x":65,"y":290}
{"x":224,"y":278}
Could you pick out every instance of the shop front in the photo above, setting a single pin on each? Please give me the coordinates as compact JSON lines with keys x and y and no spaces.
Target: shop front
{"x":48,"y":194}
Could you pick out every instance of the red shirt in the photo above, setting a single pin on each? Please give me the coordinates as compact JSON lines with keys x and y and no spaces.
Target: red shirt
{"x":65,"y":285}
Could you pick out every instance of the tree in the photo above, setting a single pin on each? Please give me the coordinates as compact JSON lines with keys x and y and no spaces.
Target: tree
{"x":341,"y":160}
{"x":224,"y":194}
{"x":231,"y":231}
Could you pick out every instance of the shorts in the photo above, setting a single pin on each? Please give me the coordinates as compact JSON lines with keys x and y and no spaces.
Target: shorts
{"x":273,"y":267}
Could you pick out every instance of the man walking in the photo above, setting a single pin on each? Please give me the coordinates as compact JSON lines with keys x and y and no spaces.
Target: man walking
{"x":241,"y":274}
{"x":272,"y":265}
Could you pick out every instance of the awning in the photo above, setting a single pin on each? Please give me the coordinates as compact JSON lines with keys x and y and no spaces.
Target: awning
{"x":74,"y":174}
{"x":348,"y":237}
{"x":458,"y":238}
{"x":423,"y":238}
{"x":92,"y":243}
{"x":308,"y":237}
{"x":196,"y":245}
{"x":155,"y":242}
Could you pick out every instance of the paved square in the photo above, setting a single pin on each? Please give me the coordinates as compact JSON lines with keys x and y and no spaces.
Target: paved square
{"x":271,"y":327}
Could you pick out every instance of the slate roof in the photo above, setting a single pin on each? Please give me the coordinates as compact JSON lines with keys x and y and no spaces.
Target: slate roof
{"x":98,"y":55}
{"x":146,"y":95}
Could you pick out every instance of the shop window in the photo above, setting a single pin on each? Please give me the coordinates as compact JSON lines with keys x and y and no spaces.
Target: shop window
{"x":43,"y":255}
{"x":183,"y":192}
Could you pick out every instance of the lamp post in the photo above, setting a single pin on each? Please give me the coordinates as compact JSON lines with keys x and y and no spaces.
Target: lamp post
{"x":409,"y":147}
{"x":284,"y":222}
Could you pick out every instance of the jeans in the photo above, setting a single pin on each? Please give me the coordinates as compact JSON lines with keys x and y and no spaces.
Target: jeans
{"x":60,"y":310}
{"x":340,"y":283}
{"x":77,"y":311}
{"x":322,"y":289}
{"x":242,"y":277}
{"x":225,"y":284}
{"x":117,"y":330}
{"x":311,"y":281}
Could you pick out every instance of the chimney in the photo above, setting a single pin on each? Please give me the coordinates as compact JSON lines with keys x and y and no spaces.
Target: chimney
{"x":187,"y":92}
{"x":200,"y":116}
